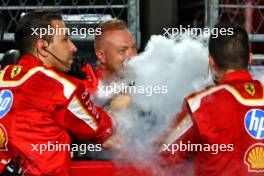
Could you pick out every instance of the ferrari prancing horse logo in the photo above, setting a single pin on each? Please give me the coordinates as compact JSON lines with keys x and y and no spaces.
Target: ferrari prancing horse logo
{"x":250,"y":88}
{"x":15,"y":71}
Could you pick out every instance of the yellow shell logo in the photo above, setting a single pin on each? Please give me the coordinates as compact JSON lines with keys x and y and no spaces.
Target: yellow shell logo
{"x":254,"y":158}
{"x":250,"y":88}
{"x":3,"y":138}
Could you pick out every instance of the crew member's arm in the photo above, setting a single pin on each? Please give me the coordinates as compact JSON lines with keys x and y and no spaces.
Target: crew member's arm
{"x":181,"y":133}
{"x":83,"y":119}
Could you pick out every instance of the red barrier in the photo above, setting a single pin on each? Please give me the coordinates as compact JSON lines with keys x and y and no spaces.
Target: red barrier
{"x":106,"y":168}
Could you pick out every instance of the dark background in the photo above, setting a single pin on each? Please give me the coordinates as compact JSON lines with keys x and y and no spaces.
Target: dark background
{"x":154,"y":16}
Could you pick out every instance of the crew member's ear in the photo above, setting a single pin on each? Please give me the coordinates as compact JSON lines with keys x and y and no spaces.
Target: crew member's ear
{"x":100,"y":54}
{"x":250,"y":58}
{"x":41,"y":46}
{"x":212,"y":62}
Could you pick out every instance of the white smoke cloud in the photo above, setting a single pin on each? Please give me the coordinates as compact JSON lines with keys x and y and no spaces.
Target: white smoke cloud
{"x":182,"y":66}
{"x":258,"y":73}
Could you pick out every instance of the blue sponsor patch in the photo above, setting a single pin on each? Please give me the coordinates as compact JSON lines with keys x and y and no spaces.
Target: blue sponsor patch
{"x":254,"y":123}
{"x":6,"y":101}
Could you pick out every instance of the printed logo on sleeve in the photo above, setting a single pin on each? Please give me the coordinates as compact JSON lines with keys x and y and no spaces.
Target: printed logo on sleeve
{"x":15,"y":71}
{"x":254,"y":158}
{"x":6,"y":101}
{"x":250,"y":88}
{"x":254,"y":123}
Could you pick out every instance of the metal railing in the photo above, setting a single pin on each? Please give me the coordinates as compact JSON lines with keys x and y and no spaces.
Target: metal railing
{"x":248,"y":13}
{"x":128,"y":10}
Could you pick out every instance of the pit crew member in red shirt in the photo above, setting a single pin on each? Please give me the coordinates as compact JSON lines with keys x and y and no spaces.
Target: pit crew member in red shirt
{"x":40,"y":105}
{"x":222,"y":126}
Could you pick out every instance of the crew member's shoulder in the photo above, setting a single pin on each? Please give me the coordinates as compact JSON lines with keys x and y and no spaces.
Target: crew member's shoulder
{"x":13,"y":73}
{"x":68,"y":83}
{"x":248,"y":94}
{"x":194,"y":99}
{"x":202,"y":93}
{"x":16,"y":75}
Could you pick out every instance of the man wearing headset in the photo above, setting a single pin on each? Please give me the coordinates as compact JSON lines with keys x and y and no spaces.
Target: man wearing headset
{"x":40,"y":106}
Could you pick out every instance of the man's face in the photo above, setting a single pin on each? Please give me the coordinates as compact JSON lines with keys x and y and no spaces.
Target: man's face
{"x":61,"y":47}
{"x":117,"y":45}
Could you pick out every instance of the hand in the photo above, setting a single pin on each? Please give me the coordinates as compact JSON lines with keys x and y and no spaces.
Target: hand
{"x":120,"y":102}
{"x":117,"y":144}
{"x":113,"y":142}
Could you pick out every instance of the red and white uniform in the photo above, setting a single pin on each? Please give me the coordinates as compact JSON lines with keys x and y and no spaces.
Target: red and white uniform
{"x":229,"y":118}
{"x":47,"y":107}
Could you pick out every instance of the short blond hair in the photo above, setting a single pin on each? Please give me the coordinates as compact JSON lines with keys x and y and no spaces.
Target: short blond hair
{"x":113,"y":24}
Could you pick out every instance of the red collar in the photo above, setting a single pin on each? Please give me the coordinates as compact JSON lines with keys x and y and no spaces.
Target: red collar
{"x":29,"y":60}
{"x":236,"y":75}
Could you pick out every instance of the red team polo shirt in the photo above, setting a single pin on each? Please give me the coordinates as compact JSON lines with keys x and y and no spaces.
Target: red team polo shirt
{"x":227,"y":123}
{"x":39,"y":105}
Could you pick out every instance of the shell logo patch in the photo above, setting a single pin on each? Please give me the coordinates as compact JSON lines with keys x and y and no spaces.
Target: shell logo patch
{"x":254,"y":158}
{"x":3,"y":138}
{"x":250,"y":88}
{"x":15,"y":71}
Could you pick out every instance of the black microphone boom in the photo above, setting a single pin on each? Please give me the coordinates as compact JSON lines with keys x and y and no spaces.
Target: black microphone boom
{"x":58,"y":59}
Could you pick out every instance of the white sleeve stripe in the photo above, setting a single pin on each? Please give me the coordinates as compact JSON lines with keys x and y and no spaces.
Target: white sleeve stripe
{"x":185,"y":124}
{"x":68,"y":87}
{"x":79,"y":111}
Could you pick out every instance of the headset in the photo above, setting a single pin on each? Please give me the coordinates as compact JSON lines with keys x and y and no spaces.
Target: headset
{"x":45,"y":47}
